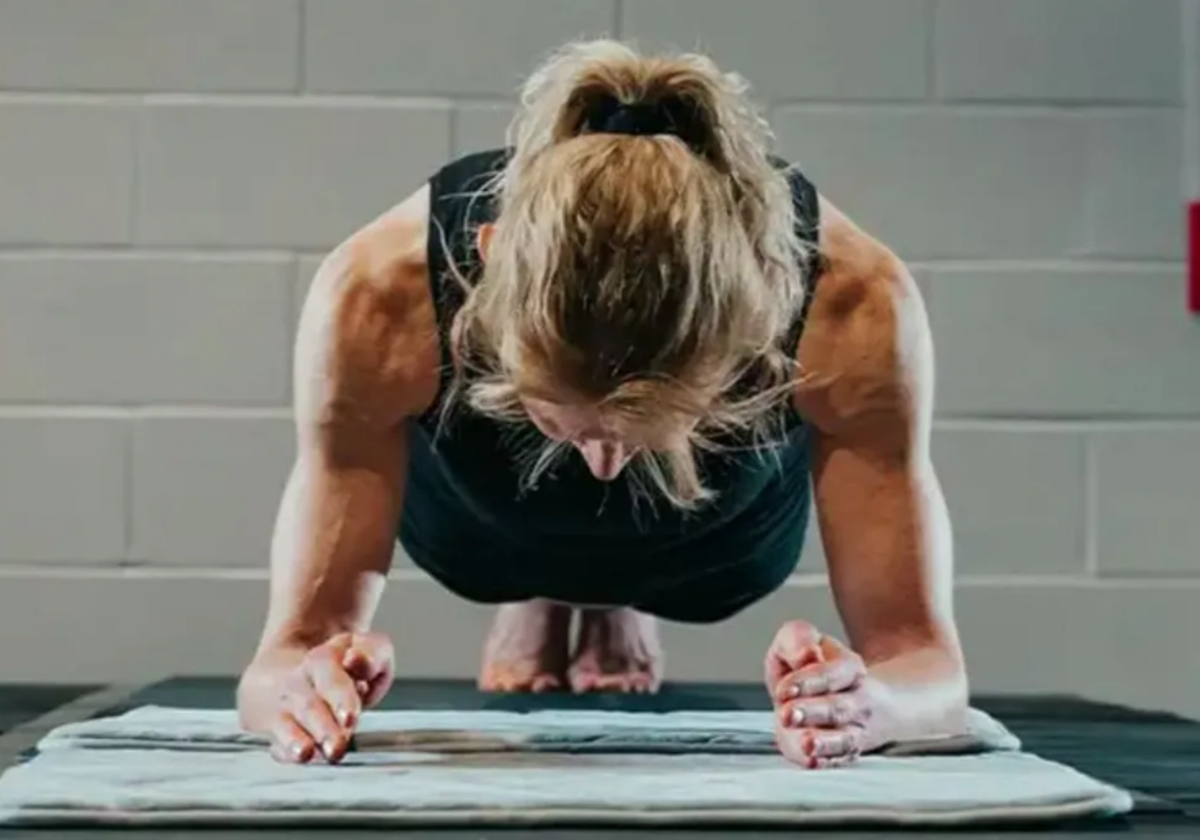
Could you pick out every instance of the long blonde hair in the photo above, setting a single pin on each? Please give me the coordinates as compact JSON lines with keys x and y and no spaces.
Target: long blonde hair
{"x":648,"y":275}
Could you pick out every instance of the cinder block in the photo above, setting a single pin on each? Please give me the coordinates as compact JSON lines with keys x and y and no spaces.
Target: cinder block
{"x":451,"y":47}
{"x":1148,"y":501}
{"x":481,"y":126}
{"x":1019,"y":638}
{"x":206,"y":489}
{"x":279,"y":174}
{"x":66,"y":173}
{"x":110,"y":329}
{"x":958,"y":184}
{"x":1135,"y":185}
{"x":1059,"y":50}
{"x":149,"y":45}
{"x":1082,"y":342}
{"x":798,"y":49}
{"x":63,"y":495}
{"x":1016,"y":499}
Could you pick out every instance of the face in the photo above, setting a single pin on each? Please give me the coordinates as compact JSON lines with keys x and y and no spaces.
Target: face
{"x":604,"y":448}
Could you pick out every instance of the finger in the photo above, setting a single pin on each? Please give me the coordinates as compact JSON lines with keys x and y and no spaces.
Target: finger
{"x":796,"y":644}
{"x":815,"y":748}
{"x":833,"y":711}
{"x":334,"y":685}
{"x":314,"y":715}
{"x":368,"y":657}
{"x":290,"y":744}
{"x":370,"y":660}
{"x":833,"y":743}
{"x":823,"y":678}
{"x":375,"y":690}
{"x":796,"y":746}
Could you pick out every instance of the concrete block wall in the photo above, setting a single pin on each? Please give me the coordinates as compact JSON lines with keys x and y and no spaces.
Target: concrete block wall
{"x":172,"y":170}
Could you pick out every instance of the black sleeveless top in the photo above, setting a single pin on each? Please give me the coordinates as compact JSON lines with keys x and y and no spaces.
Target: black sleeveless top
{"x":573,"y":538}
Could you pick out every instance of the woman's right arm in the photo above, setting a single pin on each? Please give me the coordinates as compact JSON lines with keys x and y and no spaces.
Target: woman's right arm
{"x":362,"y":363}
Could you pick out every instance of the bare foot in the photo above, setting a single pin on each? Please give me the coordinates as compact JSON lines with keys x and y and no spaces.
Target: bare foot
{"x":617,"y":650}
{"x":527,"y":648}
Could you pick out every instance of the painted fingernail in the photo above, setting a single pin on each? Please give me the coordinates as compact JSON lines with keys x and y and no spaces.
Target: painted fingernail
{"x":808,"y":743}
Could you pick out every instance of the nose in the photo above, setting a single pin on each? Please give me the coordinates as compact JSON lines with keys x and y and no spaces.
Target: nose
{"x":605,"y":459}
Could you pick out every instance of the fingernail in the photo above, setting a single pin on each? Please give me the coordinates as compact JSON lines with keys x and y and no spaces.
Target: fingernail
{"x":797,"y":717}
{"x":296,"y":750}
{"x":813,"y":685}
{"x":343,"y":716}
{"x":327,"y":747}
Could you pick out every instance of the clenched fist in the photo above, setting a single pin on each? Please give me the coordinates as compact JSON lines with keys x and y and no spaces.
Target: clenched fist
{"x":817,"y":687}
{"x":308,"y":703}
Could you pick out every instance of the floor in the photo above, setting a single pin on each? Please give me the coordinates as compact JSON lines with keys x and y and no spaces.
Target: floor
{"x":1156,"y":756}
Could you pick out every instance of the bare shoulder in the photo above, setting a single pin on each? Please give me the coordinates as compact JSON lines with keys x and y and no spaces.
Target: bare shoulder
{"x":367,"y":350}
{"x":866,"y":353}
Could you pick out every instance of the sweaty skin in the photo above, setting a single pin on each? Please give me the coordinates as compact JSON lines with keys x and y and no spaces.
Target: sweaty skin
{"x":366,"y":360}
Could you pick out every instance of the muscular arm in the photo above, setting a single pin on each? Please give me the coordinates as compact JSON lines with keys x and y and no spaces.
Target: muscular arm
{"x":884,"y":522}
{"x":361,"y":356}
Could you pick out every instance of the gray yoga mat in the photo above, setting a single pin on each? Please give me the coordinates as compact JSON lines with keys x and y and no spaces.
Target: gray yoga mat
{"x":159,"y":766}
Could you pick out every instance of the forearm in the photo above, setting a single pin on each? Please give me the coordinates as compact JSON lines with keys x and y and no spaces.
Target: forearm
{"x":921,"y":693}
{"x":330,"y":554}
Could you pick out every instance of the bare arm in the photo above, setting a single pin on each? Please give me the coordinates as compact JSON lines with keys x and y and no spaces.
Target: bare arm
{"x":332,"y":544}
{"x":362,"y":363}
{"x":884,"y":521}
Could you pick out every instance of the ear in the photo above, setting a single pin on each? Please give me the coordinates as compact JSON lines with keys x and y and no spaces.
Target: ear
{"x":483,"y":239}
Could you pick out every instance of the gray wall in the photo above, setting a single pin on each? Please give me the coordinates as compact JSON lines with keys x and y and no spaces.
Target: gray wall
{"x":172,"y":170}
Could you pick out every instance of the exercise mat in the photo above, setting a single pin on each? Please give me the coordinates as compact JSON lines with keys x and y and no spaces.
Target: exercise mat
{"x":158,"y":766}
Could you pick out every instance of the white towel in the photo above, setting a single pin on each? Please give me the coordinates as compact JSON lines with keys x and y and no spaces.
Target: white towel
{"x":156,"y":766}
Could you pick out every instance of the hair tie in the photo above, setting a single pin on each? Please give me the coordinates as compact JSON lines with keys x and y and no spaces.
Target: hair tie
{"x":670,"y":116}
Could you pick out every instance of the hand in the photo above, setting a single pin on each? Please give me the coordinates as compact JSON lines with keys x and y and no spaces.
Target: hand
{"x":309,"y":707}
{"x":817,"y":687}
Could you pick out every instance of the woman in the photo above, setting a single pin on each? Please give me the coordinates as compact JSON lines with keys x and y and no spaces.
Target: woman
{"x":592,"y":376}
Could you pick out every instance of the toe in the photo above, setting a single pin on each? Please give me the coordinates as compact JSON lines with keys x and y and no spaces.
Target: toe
{"x":617,"y":683}
{"x":544,"y":683}
{"x":583,"y":682}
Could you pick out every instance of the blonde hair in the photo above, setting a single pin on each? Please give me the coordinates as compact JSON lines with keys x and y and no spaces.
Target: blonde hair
{"x":648,"y":275}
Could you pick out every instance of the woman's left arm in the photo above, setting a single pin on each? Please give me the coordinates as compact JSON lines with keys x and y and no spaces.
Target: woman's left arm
{"x":884,"y":525}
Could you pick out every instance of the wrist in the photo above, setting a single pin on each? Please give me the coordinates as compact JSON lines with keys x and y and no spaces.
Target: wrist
{"x":917,"y":695}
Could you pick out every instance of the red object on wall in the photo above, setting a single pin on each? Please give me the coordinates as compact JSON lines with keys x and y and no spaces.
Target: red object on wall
{"x":1193,"y":267}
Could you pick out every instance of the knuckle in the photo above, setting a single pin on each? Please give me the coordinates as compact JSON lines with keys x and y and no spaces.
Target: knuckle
{"x":382,"y":643}
{"x":800,"y":630}
{"x":309,"y":707}
{"x":316,"y":657}
{"x":294,"y":685}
